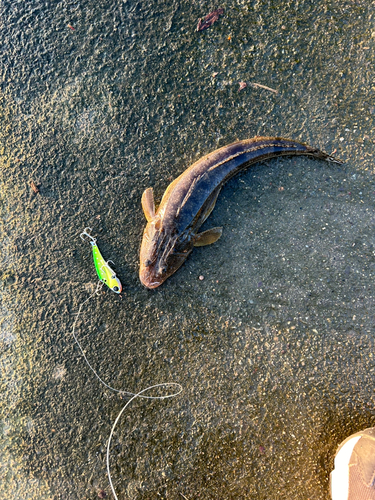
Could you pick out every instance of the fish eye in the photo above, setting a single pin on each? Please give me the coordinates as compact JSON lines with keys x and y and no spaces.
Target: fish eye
{"x":148,"y":263}
{"x":115,"y":288}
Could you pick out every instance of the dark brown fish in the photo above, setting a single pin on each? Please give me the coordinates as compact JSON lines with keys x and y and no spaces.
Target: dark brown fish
{"x":172,"y":231}
{"x":209,"y":19}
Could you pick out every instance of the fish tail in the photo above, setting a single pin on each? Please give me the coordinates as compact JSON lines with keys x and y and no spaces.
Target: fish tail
{"x":317,"y":153}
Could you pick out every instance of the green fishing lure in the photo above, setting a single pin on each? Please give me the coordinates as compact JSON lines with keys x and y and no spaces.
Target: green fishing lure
{"x":105,"y":273}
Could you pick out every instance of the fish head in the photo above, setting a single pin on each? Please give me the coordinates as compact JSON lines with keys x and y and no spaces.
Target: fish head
{"x":162,"y":253}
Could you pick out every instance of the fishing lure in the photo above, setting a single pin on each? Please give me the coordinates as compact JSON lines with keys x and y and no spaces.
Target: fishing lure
{"x":105,"y":273}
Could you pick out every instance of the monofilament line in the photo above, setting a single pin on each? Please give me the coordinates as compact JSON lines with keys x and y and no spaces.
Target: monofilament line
{"x":166,"y":384}
{"x":132,"y":395}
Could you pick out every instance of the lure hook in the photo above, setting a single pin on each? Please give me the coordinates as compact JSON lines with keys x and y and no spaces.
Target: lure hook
{"x":85,"y":234}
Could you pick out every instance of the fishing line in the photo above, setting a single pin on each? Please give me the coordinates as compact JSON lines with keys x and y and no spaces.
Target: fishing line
{"x":139,"y":395}
{"x":99,"y":286}
{"x":133,"y":396}
{"x":119,"y":391}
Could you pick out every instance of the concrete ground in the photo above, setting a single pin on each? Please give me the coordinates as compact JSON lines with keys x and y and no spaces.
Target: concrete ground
{"x":269,"y":331}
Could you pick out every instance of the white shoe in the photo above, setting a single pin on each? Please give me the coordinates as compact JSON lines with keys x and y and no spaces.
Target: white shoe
{"x":353,"y":477}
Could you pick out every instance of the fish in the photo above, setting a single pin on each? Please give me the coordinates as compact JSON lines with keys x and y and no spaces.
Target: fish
{"x":172,"y":231}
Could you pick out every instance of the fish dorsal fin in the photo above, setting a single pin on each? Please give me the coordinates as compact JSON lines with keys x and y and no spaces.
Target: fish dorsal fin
{"x":208,"y":237}
{"x":148,"y":204}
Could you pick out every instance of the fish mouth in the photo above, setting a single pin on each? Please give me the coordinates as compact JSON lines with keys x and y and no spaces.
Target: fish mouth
{"x":150,"y":283}
{"x":148,"y":280}
{"x":153,"y":284}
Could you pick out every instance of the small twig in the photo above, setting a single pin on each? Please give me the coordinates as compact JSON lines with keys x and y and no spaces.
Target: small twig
{"x":110,"y":208}
{"x":183,"y":496}
{"x":34,"y":187}
{"x":264,"y":87}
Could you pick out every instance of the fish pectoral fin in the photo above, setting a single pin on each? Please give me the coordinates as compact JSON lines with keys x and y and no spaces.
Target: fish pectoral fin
{"x":148,"y":204}
{"x":208,"y":237}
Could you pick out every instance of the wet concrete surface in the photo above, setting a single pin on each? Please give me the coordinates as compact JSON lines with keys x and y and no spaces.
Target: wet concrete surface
{"x":274,"y":346}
